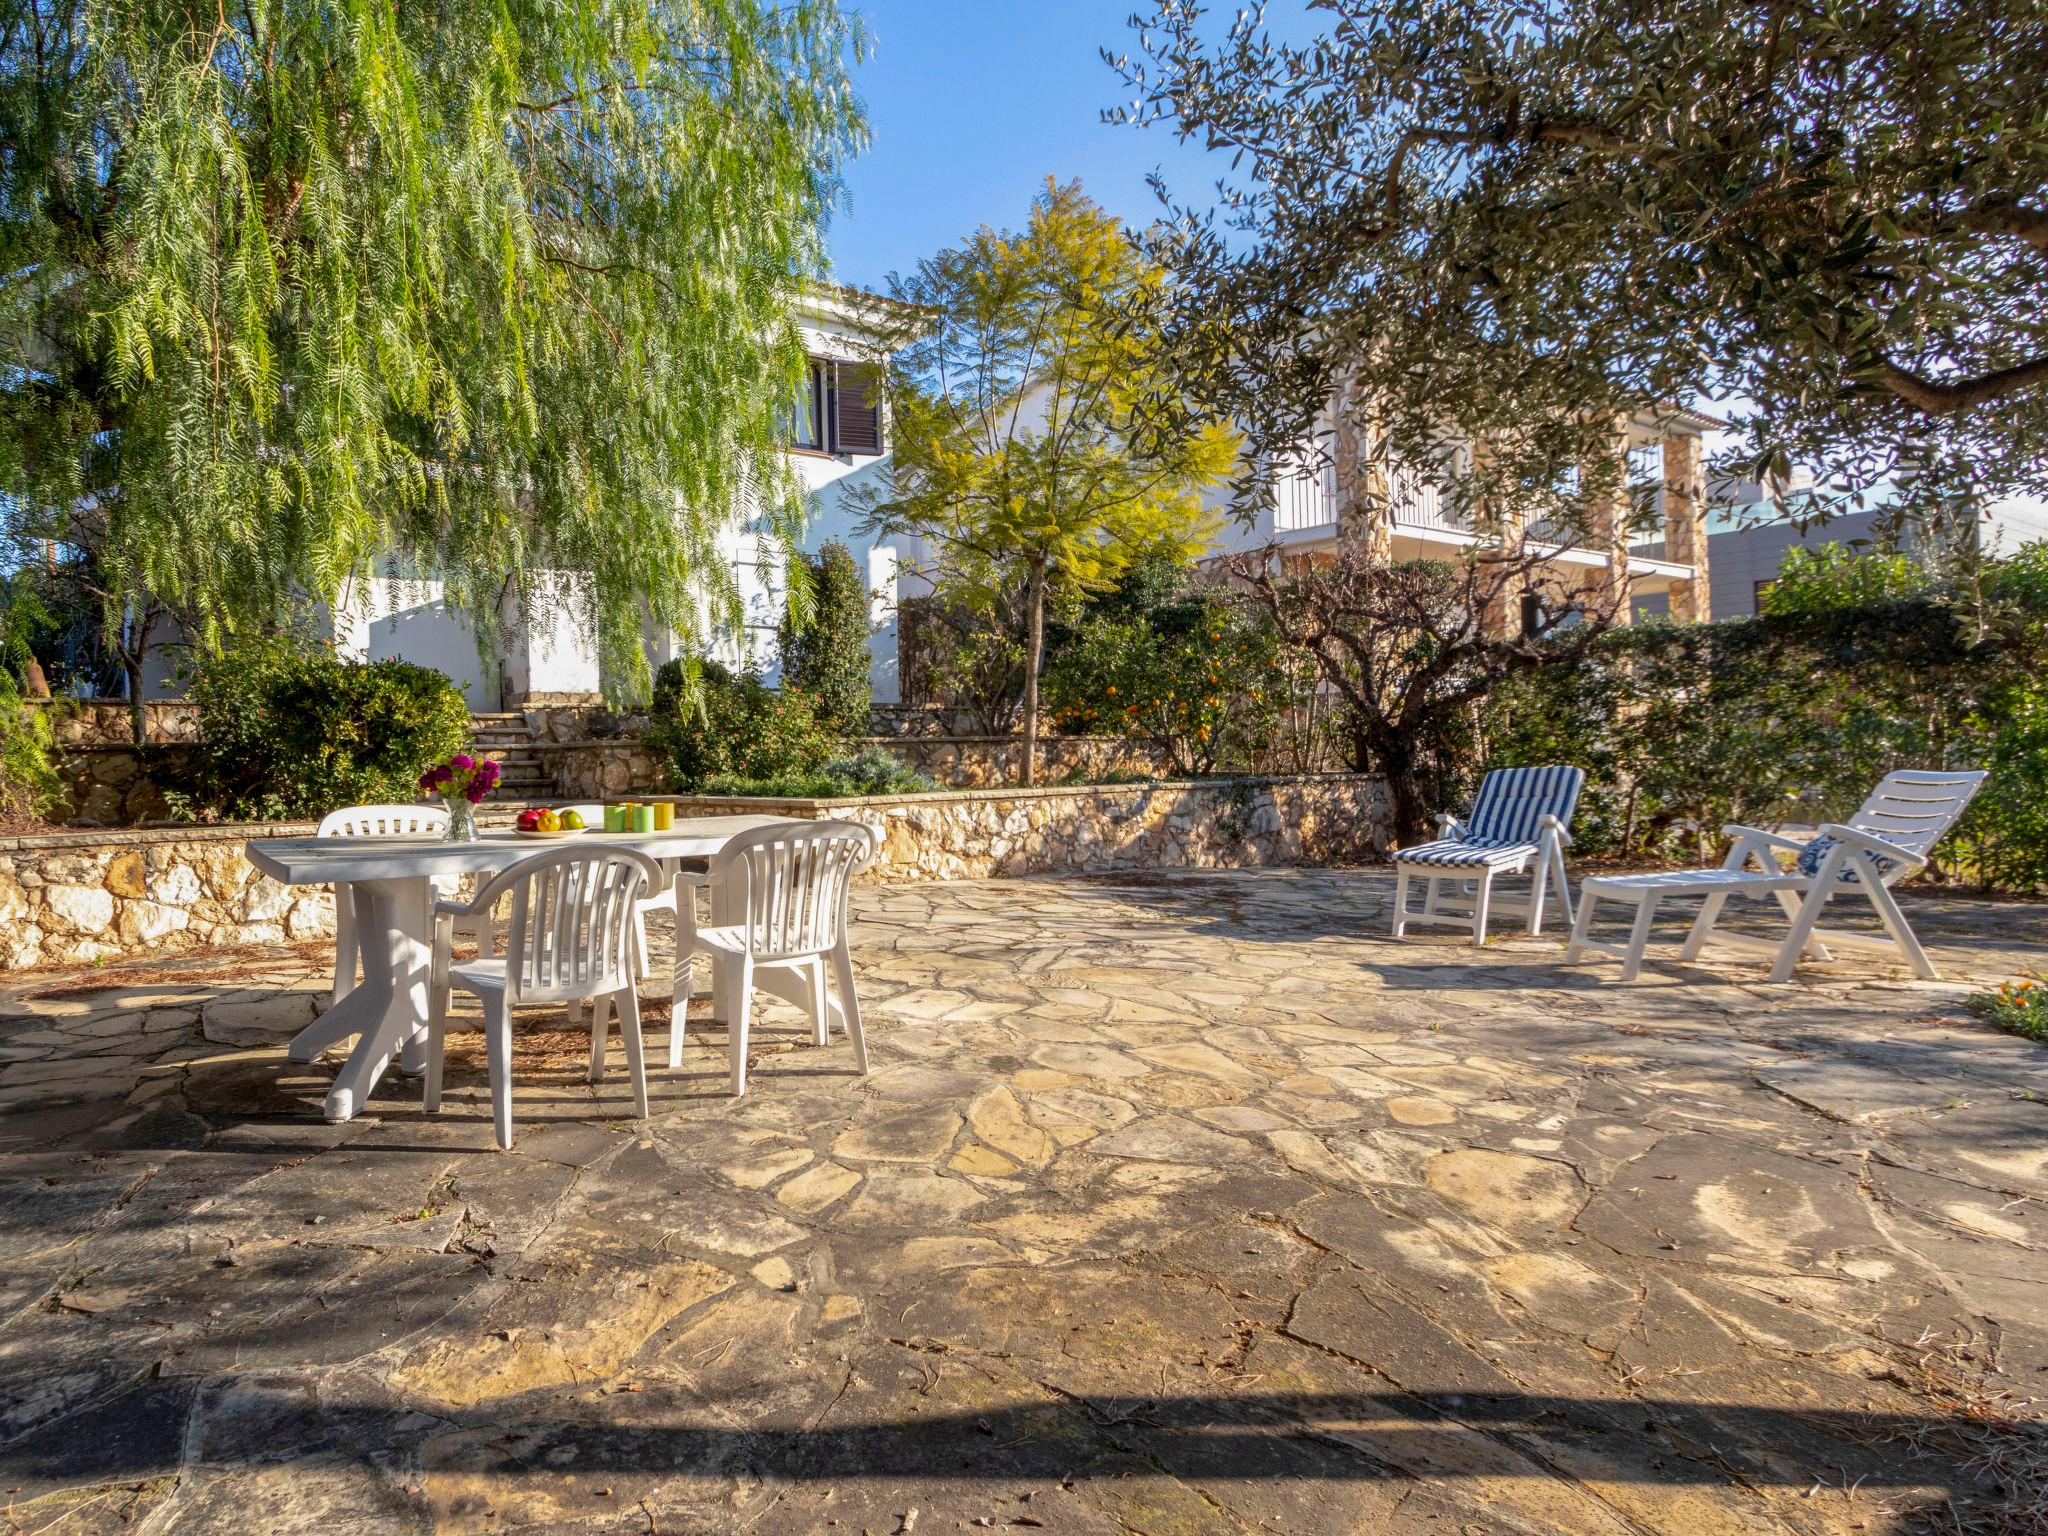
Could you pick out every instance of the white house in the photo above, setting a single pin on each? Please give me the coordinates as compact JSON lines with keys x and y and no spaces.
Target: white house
{"x":1666,"y":572}
{"x":838,"y":433}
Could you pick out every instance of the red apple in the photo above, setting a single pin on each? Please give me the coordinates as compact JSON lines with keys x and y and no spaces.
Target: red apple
{"x":529,"y":821}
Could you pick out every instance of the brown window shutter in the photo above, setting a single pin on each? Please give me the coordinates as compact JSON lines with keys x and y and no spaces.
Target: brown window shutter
{"x":856,"y":413}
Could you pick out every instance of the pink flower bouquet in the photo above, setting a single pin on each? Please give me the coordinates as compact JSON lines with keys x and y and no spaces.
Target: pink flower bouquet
{"x":462,"y":782}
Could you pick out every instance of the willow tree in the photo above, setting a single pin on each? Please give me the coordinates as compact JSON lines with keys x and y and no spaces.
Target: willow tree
{"x":496,"y":288}
{"x":1027,"y":454}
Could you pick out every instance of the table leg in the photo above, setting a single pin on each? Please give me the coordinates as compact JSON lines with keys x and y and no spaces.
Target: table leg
{"x":388,"y":1012}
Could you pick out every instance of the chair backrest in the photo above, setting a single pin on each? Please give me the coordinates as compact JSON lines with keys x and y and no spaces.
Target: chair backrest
{"x":384,"y":821}
{"x":572,"y":920}
{"x":1913,"y":808}
{"x":1512,"y":802}
{"x":792,"y":882}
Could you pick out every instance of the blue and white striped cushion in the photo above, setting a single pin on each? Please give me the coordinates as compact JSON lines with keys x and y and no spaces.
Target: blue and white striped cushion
{"x":1512,"y":802}
{"x":1811,"y":856}
{"x":1465,"y":854}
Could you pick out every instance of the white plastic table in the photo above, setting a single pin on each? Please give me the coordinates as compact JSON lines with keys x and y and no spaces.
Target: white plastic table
{"x":390,"y":880}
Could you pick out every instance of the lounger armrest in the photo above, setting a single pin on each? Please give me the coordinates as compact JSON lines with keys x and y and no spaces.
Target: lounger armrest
{"x":1737,"y":831}
{"x":1550,"y":823}
{"x":1449,"y":826}
{"x":1871,"y":843}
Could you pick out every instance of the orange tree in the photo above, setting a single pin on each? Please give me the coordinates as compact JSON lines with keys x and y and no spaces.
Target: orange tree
{"x":1195,"y":671}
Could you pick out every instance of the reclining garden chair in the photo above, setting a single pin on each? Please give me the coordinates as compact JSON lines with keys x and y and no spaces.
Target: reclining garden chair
{"x":1890,"y":838}
{"x":1520,"y":824}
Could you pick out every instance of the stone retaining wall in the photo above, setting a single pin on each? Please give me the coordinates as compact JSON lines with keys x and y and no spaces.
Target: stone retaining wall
{"x":76,"y":897}
{"x":1183,"y":824}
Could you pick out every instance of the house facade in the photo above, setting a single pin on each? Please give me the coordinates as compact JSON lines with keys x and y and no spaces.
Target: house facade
{"x":1666,"y":571}
{"x":838,"y":438}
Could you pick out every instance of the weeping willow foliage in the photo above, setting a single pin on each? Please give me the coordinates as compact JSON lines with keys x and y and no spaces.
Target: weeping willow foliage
{"x":494,"y":287}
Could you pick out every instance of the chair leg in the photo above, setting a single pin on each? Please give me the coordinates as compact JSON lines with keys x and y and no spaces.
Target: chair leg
{"x":1703,"y":925}
{"x":1480,"y":902}
{"x":1429,"y":897}
{"x":683,"y":984}
{"x":1539,"y":888}
{"x":628,"y":1000}
{"x":821,"y":1020}
{"x":344,"y":942}
{"x":601,"y":1034}
{"x":498,"y":1048}
{"x":1639,"y":937}
{"x":1901,"y":931}
{"x":1817,"y":895}
{"x":1400,"y":900}
{"x":1791,"y":904}
{"x":739,"y":970}
{"x":849,"y":1005}
{"x":1564,"y":884}
{"x":437,"y":1030}
{"x":640,"y":961}
{"x":1580,"y":927}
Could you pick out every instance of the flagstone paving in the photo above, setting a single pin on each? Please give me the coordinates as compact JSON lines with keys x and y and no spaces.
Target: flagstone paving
{"x":1184,"y":1203}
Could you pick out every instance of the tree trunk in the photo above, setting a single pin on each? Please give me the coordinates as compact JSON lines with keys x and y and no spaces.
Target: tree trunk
{"x":1034,"y":650}
{"x":1395,"y":756}
{"x":132,"y":665}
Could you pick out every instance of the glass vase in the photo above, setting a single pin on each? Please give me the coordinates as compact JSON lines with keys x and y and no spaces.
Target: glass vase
{"x":462,"y":826}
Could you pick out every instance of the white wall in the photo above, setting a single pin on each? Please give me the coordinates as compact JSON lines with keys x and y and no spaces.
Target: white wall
{"x":384,"y":617}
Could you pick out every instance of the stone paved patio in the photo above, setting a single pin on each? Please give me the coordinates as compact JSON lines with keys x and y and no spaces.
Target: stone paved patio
{"x":1187,"y":1204}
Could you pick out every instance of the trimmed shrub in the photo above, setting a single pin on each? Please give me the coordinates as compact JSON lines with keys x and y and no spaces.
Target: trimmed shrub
{"x":1794,"y":716}
{"x":289,"y":729}
{"x":827,"y":660}
{"x":732,"y":728}
{"x":873,"y":772}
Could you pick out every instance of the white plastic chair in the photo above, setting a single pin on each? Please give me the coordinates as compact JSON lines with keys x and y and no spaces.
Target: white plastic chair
{"x":1890,"y":837}
{"x":778,"y":900}
{"x":421,"y":821}
{"x":1521,"y":823}
{"x":570,"y":937}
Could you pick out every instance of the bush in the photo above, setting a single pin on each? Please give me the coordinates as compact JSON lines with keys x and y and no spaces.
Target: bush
{"x":873,"y":772}
{"x":827,"y":660}
{"x":289,"y":729}
{"x":1795,"y":715}
{"x":732,"y":728}
{"x":30,"y":790}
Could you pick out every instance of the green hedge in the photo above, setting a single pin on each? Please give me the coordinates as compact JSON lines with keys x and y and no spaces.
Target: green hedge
{"x":288,"y":729}
{"x":1794,"y":717}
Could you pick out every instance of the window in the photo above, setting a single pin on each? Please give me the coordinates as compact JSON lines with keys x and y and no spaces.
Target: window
{"x":1756,"y":597}
{"x":806,"y":419}
{"x":836,"y":410}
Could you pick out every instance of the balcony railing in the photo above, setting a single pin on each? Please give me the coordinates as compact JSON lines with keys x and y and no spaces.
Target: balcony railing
{"x":1418,"y":504}
{"x":1305,"y":498}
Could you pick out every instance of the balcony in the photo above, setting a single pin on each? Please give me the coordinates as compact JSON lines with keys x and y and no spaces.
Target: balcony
{"x":1305,"y":498}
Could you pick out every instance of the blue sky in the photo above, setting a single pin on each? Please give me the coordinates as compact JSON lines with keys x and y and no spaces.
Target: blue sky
{"x":973,"y":103}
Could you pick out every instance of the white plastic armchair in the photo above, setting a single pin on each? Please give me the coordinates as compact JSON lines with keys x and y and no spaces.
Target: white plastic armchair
{"x":778,"y":905}
{"x":424,"y":822}
{"x":570,"y":937}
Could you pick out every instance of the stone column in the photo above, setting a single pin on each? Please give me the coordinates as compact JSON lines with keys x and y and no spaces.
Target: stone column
{"x":1364,"y":517}
{"x":1685,"y":526}
{"x":1607,"y":535}
{"x":1500,"y":598}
